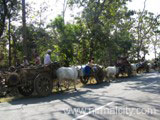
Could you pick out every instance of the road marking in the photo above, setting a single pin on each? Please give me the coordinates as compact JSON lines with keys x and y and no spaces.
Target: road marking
{"x":93,"y":111}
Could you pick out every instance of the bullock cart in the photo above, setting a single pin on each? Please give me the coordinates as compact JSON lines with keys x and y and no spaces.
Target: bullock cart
{"x":124,"y":67}
{"x":96,"y":72}
{"x":27,"y":80}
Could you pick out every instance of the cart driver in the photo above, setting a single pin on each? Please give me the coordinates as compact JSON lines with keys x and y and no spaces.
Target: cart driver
{"x":90,"y":63}
{"x":47,"y":58}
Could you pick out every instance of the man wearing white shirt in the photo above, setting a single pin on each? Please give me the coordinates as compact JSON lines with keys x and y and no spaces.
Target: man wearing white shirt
{"x":47,"y":58}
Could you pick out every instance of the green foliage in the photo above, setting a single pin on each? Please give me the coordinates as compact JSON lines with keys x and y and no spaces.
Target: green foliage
{"x":105,"y":30}
{"x":67,"y":37}
{"x":8,"y":9}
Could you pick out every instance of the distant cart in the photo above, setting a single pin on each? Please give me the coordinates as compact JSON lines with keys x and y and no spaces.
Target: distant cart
{"x":143,"y":67}
{"x":27,"y":80}
{"x":124,"y":67}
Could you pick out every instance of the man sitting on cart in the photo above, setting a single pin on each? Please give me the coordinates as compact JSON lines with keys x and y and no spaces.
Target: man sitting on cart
{"x":89,"y":68}
{"x":47,"y":58}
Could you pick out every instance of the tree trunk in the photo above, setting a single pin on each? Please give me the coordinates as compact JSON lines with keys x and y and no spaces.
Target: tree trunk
{"x":64,"y":9}
{"x":3,"y":17}
{"x":9,"y":39}
{"x":24,"y":29}
{"x":139,"y":32}
{"x":155,"y":44}
{"x":14,"y":49}
{"x":155,"y":52}
{"x":138,"y":54}
{"x":91,"y":49}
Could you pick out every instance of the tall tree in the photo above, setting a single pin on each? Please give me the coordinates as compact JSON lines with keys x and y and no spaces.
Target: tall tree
{"x":144,"y":31}
{"x":24,"y":28}
{"x":102,"y":18}
{"x":3,"y":14}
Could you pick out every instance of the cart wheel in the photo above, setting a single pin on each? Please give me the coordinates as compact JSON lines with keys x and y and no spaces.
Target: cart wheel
{"x":26,"y":90}
{"x":43,"y":85}
{"x":84,"y":79}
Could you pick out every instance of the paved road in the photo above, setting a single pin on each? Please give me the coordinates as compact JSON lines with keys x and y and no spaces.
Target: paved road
{"x":136,"y":98}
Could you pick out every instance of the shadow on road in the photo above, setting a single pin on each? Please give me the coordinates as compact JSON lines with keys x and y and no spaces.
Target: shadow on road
{"x":59,"y":95}
{"x":97,"y":86}
{"x":52,"y":97}
{"x":148,"y":83}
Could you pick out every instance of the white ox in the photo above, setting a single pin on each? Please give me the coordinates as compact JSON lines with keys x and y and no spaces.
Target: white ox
{"x":134,"y":68}
{"x":111,"y":71}
{"x":67,"y":74}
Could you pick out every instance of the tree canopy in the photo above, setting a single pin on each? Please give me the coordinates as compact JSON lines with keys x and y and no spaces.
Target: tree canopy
{"x":104,"y":30}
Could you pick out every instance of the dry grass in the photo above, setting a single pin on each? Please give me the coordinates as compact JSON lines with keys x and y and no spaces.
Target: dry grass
{"x":7,"y":99}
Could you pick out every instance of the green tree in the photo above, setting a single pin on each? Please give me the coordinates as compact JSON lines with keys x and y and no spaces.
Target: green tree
{"x":67,"y":39}
{"x":104,"y":20}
